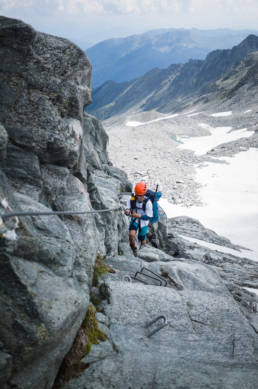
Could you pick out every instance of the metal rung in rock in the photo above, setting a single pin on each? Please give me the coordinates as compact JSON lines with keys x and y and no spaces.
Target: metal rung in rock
{"x":154,"y":276}
{"x":127,"y":278}
{"x":158,"y":328}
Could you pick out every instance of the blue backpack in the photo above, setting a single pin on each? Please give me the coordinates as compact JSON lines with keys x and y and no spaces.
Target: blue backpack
{"x":154,"y":198}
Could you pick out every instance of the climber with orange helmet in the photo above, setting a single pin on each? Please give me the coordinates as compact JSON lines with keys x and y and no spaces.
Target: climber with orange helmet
{"x":141,"y":211}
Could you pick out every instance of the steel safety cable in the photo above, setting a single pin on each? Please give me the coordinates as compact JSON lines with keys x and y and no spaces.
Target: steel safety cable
{"x":16,"y":214}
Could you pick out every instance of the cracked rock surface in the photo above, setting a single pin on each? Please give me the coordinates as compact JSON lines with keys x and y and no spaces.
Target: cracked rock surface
{"x":207,"y":343}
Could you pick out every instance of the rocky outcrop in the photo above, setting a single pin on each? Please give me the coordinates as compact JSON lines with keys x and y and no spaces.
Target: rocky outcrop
{"x":55,"y":159}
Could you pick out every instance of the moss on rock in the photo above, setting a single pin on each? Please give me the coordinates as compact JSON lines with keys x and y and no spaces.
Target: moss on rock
{"x":90,"y":325}
{"x":99,"y":269}
{"x":88,"y":334}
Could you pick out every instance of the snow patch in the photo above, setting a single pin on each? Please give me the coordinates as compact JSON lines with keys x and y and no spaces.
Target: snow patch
{"x":221,"y":114}
{"x":219,"y":135}
{"x":253,"y":290}
{"x":136,"y":124}
{"x":230,"y":196}
{"x":214,"y":246}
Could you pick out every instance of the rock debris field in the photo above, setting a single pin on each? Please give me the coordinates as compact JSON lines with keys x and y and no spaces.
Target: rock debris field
{"x":183,"y":153}
{"x":153,"y":147}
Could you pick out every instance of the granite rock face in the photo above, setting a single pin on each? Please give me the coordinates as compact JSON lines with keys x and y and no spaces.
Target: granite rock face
{"x":207,"y":342}
{"x":207,"y":297}
{"x":52,"y":158}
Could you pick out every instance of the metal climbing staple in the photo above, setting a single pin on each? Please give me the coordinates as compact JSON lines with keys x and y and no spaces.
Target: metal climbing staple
{"x":127,"y":278}
{"x":153,"y":276}
{"x":159,"y":327}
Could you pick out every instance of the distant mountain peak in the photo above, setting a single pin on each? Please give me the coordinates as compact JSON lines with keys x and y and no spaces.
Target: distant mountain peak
{"x":250,"y":41}
{"x":223,"y":73}
{"x":125,"y":59}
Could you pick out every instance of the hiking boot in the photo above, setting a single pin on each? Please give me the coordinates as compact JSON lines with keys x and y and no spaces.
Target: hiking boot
{"x":135,"y":251}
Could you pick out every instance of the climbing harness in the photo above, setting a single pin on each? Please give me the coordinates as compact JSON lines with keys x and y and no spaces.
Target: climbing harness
{"x":154,"y":276}
{"x":162,"y":325}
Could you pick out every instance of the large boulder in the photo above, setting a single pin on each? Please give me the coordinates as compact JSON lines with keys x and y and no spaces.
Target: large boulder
{"x":52,"y":158}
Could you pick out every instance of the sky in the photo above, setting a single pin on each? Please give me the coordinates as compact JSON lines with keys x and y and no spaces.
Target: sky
{"x":87,"y":22}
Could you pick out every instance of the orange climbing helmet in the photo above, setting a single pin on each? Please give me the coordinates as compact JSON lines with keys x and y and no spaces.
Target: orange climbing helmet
{"x":140,"y":189}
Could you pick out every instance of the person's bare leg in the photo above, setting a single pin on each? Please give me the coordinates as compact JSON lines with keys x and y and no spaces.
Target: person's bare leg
{"x":132,"y":235}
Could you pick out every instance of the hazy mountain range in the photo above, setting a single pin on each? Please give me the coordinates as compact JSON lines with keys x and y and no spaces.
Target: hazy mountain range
{"x":124,"y":59}
{"x":223,"y":75}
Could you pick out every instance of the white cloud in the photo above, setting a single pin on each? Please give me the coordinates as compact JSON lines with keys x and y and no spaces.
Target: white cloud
{"x":85,"y":6}
{"x":137,"y":7}
{"x":60,"y":5}
{"x":95,"y":20}
{"x":235,"y":6}
{"x":144,"y":6}
{"x":9,"y":4}
{"x":99,"y":6}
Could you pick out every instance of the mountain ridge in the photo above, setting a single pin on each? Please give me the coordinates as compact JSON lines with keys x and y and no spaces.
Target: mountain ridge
{"x":170,"y":89}
{"x":123,"y":59}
